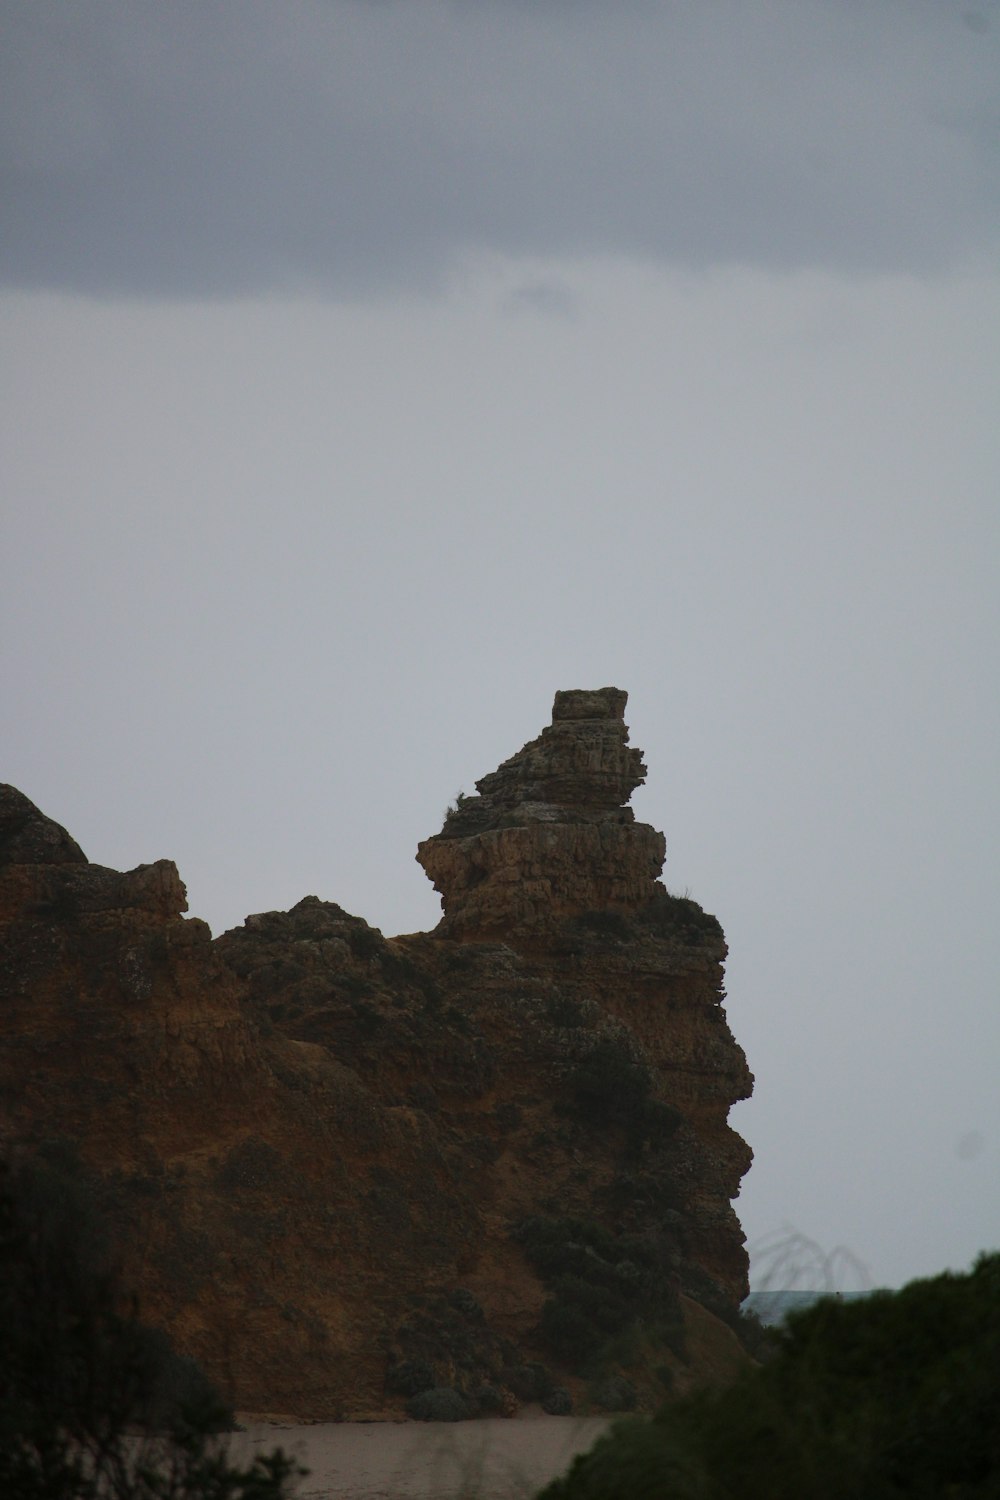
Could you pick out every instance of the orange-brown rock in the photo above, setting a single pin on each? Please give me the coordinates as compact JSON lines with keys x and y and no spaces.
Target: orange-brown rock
{"x":342,"y":1169}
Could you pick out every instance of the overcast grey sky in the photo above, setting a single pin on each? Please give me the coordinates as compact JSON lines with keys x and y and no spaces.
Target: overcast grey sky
{"x":373,"y":368}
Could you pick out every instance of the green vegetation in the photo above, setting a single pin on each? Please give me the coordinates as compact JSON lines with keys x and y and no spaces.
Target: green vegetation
{"x":607,"y":1293}
{"x":456,"y":807}
{"x":364,"y":942}
{"x":610,"y":925}
{"x":94,"y":1406}
{"x":450,"y":1364}
{"x":893,"y":1397}
{"x":439,"y":1404}
{"x":678,"y":919}
{"x":610,"y":1080}
{"x":610,"y":1086}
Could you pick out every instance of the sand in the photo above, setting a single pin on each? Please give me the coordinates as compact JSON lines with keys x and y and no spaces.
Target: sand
{"x":494,"y":1459}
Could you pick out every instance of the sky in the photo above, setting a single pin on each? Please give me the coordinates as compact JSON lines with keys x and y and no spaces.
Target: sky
{"x":372,"y":369}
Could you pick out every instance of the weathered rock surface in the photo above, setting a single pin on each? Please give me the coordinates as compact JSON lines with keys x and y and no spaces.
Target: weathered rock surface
{"x":549,"y":834}
{"x":343,"y":1170}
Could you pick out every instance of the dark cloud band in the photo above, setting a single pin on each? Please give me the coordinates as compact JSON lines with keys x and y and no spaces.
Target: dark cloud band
{"x":351,"y":146}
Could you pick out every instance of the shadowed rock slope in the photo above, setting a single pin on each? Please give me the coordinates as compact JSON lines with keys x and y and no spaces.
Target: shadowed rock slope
{"x":345,"y":1171}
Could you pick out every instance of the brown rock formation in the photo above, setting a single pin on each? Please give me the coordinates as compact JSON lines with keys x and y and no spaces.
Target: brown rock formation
{"x":342,"y":1169}
{"x":549,"y":836}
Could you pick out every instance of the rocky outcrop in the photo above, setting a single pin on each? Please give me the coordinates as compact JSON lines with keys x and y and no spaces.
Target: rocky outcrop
{"x":343,"y":1170}
{"x":550,"y":856}
{"x":549,"y":834}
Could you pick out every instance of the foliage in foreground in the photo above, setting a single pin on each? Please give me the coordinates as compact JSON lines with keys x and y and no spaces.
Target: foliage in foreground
{"x":894,"y":1396}
{"x":94,"y":1406}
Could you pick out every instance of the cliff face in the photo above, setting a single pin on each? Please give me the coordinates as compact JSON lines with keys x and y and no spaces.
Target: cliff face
{"x":343,"y":1169}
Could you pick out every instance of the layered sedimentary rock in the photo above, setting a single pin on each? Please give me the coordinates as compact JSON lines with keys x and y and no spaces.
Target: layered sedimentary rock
{"x":343,"y":1170}
{"x":549,"y":834}
{"x":549,"y":855}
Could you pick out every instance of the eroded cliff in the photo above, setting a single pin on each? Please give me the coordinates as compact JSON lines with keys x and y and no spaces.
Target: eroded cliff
{"x":343,"y":1170}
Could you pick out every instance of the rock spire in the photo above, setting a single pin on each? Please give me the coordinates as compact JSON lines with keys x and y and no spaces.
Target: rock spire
{"x":549,"y":834}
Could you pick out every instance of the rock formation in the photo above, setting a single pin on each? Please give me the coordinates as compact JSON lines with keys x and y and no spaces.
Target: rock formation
{"x":344,"y":1171}
{"x":549,"y":835}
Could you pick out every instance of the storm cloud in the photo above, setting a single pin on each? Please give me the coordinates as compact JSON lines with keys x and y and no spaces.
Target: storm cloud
{"x":361,"y":146}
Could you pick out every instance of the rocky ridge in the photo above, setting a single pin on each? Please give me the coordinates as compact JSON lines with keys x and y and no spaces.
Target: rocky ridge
{"x":346,"y":1171}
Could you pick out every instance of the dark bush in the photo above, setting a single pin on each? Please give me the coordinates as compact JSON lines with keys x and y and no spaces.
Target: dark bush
{"x":757,"y":1338}
{"x":564,"y":1246}
{"x":567,"y":1330}
{"x":890,"y":1397}
{"x":563,"y":1010}
{"x":369,"y":1019}
{"x":678,"y":919}
{"x":400,"y":968}
{"x":614,"y":1393}
{"x":490,"y":1400}
{"x":611,"y":925}
{"x":558,"y":1403}
{"x":528,"y":1382}
{"x":354,"y":984}
{"x":602,"y":1309}
{"x":603,"y":1289}
{"x":446,"y":1340}
{"x":653,"y":1123}
{"x":365,"y":941}
{"x":631,"y":1463}
{"x":440,"y":1404}
{"x":600,"y":1285}
{"x":92,"y":1403}
{"x":462,"y":1300}
{"x":610,"y":1083}
{"x":458,"y":1021}
{"x":409,"y":1377}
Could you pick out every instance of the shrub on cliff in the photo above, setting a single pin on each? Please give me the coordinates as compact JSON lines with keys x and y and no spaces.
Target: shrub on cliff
{"x":894,"y":1397}
{"x":610,"y":925}
{"x":558,"y":1403}
{"x":531,"y":1382}
{"x":614,"y":1393}
{"x":580,"y":1317}
{"x":93,"y":1404}
{"x":610,"y":1080}
{"x":601,"y":1286}
{"x":408,"y":1377}
{"x":447,"y":1343}
{"x":442,"y":1403}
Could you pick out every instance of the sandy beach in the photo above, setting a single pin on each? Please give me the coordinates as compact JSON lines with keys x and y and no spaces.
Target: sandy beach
{"x":493,"y":1459}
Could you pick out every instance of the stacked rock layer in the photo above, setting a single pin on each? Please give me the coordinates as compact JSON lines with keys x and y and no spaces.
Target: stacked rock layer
{"x":549,"y":834}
